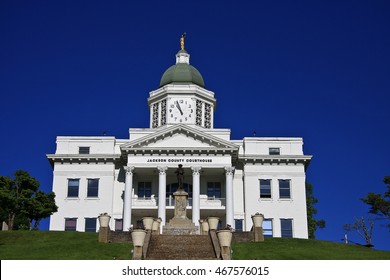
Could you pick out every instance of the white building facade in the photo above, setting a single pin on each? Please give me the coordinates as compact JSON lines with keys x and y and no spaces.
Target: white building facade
{"x":133,"y":178}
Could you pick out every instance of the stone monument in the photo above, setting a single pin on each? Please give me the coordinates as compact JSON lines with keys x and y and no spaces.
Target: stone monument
{"x":180,"y":224}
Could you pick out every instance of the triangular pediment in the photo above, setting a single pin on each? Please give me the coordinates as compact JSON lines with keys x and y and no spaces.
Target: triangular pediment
{"x":179,"y":137}
{"x":179,"y":140}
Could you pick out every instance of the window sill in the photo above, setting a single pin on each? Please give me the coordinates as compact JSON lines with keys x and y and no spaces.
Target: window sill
{"x":72,"y":198}
{"x":92,"y":198}
{"x":265,"y":199}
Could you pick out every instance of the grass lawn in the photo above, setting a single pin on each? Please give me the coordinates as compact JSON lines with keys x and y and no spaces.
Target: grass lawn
{"x":302,"y":249}
{"x":61,"y":245}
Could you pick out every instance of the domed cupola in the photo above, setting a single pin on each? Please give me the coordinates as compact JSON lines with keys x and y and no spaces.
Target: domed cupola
{"x":182,"y":97}
{"x":182,"y":72}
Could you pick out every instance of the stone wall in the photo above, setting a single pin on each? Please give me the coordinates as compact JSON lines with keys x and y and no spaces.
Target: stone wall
{"x":244,"y":236}
{"x":120,"y":237}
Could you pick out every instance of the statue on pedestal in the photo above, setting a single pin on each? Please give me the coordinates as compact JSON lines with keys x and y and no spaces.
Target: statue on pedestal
{"x":180,"y":224}
{"x":180,"y":177}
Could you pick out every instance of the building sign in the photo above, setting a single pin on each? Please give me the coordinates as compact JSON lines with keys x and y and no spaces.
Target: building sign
{"x":175,"y":160}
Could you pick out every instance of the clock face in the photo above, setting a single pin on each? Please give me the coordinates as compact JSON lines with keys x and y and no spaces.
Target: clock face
{"x":181,"y":110}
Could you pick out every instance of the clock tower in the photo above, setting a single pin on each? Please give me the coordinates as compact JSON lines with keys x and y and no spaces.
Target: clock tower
{"x":182,"y":97}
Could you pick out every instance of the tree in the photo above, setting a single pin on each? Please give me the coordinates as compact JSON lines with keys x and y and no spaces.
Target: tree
{"x":41,"y":206}
{"x":312,"y":223}
{"x":362,"y":229}
{"x":21,"y":201}
{"x":379,"y":204}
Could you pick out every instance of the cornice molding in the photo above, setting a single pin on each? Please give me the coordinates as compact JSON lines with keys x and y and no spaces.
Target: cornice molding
{"x":181,"y":151}
{"x":181,"y":89}
{"x":276,"y":159}
{"x":82,"y":158}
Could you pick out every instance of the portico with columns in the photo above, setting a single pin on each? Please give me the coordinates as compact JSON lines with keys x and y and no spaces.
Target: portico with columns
{"x":194,"y":206}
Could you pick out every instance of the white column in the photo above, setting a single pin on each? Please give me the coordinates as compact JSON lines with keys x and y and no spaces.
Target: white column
{"x":162,"y":190}
{"x":229,"y":196}
{"x":196,"y":195}
{"x":127,"y":203}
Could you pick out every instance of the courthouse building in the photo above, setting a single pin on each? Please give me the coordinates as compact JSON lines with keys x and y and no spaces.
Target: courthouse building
{"x":135,"y":177}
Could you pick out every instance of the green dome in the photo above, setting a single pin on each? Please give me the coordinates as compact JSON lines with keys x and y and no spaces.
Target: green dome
{"x":182,"y":73}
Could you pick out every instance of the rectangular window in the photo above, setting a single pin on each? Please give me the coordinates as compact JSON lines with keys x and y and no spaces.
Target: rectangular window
{"x":144,"y":190}
{"x":265,"y":188}
{"x":93,"y":188}
{"x":286,"y":227}
{"x":84,"y":150}
{"x":284,"y":189}
{"x":118,"y":224}
{"x":214,"y":190}
{"x":238,"y":225}
{"x":274,"y":151}
{"x":90,"y":224}
{"x":73,"y":187}
{"x":70,"y":224}
{"x":267,"y":228}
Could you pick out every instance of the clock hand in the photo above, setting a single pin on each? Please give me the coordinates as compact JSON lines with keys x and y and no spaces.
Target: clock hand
{"x":178,"y":107}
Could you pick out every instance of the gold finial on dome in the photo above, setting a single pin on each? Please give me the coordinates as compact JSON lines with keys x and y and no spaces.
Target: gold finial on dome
{"x":182,"y":40}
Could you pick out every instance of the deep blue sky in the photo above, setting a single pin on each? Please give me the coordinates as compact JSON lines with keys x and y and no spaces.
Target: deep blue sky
{"x":313,"y":69}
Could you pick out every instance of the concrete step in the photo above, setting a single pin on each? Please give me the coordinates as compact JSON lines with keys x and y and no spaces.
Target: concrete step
{"x":180,"y":247}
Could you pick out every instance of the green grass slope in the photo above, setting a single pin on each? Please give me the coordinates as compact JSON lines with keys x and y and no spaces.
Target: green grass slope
{"x":55,"y":245}
{"x":303,"y":249}
{"x":58,"y":245}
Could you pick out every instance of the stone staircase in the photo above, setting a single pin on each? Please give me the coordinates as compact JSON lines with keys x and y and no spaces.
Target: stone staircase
{"x":180,"y":247}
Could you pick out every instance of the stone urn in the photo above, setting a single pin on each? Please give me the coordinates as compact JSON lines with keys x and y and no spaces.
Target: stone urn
{"x":205,"y":226}
{"x":213,"y":222}
{"x":225,"y":237}
{"x":156,"y":224}
{"x":104,"y":220}
{"x":148,"y":222}
{"x":258,"y":220}
{"x":138,"y":237}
